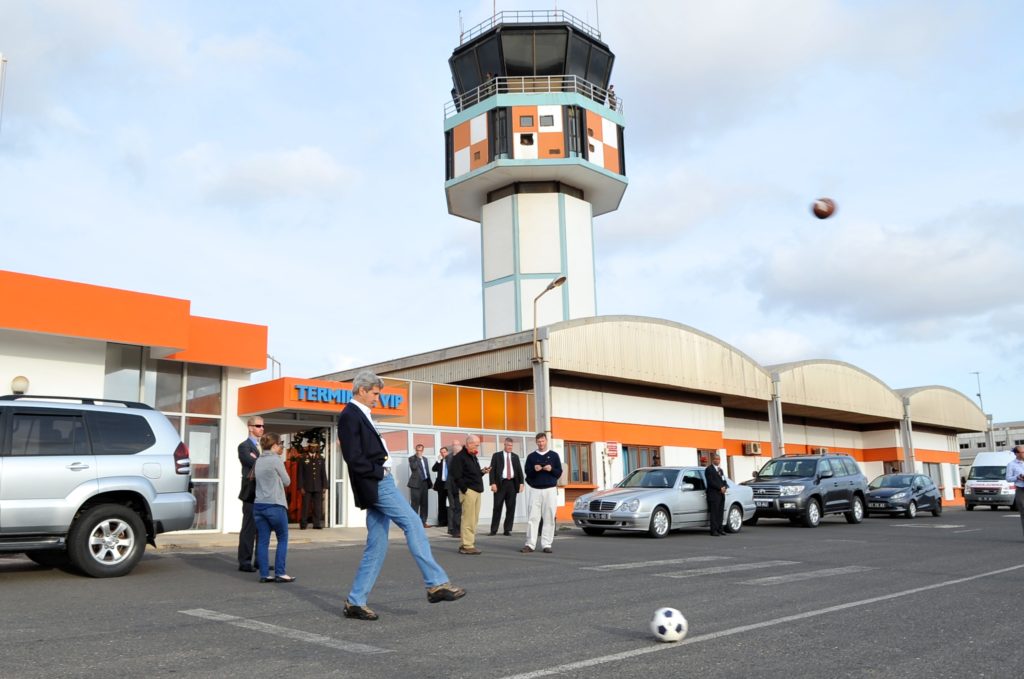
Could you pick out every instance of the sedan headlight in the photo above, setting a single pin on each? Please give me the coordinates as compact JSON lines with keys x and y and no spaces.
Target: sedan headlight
{"x":791,"y":490}
{"x":582,"y":502}
{"x":630,"y":505}
{"x":898,"y":496}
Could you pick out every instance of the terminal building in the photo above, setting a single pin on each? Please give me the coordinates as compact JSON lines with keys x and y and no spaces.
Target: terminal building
{"x":535,"y":151}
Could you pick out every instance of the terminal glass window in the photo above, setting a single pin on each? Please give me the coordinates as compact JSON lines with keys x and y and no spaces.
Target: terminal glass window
{"x":122,"y":372}
{"x":550,"y":52}
{"x":577,"y":462}
{"x":489,"y":56}
{"x":518,"y":49}
{"x":163,"y":387}
{"x":579,"y":56}
{"x":636,"y":457}
{"x":202,"y":389}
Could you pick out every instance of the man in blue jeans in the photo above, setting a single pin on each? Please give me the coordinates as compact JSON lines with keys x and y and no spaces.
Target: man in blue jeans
{"x":374,"y":489}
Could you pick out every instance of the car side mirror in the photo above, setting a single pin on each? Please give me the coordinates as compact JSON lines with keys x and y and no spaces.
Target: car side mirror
{"x":756,"y":474}
{"x":826,"y":474}
{"x":687,"y":486}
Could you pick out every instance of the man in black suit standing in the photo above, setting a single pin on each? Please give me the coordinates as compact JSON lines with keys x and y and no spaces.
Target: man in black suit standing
{"x":312,"y":483}
{"x":248,"y":451}
{"x":440,"y":470}
{"x":506,"y":478}
{"x":454,"y":503}
{"x":716,"y":490}
{"x":373,"y":489}
{"x":419,"y":484}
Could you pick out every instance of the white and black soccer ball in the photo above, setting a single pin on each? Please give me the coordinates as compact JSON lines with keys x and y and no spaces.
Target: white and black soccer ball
{"x":669,"y":625}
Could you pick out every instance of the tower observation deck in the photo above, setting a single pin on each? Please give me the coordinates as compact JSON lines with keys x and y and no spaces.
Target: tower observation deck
{"x":533,"y":152}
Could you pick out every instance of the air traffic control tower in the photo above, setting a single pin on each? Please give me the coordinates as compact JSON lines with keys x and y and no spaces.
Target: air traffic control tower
{"x":533,"y":152}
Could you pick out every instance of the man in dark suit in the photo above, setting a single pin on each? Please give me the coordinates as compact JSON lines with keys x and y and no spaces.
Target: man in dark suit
{"x":506,"y":478}
{"x":419,"y":484}
{"x":716,"y":490}
{"x":248,"y":451}
{"x":454,"y":503}
{"x":373,"y":489}
{"x":440,"y":470}
{"x":312,"y":483}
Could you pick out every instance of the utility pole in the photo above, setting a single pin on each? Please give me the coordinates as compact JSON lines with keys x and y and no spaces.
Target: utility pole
{"x":990,"y":443}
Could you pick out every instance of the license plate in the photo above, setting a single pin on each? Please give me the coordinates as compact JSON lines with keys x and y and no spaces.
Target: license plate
{"x":600,"y":517}
{"x":877,"y":505}
{"x":762,"y":503}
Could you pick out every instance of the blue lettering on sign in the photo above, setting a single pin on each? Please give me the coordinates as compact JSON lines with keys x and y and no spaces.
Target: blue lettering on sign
{"x":341,"y":396}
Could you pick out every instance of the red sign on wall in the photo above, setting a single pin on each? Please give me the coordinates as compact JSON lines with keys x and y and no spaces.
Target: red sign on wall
{"x":611,"y":448}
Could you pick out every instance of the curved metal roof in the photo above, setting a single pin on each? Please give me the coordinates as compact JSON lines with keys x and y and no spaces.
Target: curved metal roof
{"x":944,"y":407}
{"x":836,"y":386}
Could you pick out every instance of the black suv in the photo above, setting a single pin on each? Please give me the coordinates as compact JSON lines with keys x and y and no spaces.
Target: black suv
{"x":804,"y":488}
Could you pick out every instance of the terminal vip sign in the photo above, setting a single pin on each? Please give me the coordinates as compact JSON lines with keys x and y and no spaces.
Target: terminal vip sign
{"x":611,"y":449}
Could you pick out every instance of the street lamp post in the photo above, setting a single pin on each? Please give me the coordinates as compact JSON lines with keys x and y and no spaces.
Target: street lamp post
{"x":541,"y":392}
{"x":990,"y":443}
{"x":551,"y":286}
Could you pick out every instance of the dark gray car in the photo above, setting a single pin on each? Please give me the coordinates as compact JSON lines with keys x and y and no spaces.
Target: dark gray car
{"x":804,"y":488}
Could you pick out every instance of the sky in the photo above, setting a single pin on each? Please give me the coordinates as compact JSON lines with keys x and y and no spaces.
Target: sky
{"x":284,"y":166}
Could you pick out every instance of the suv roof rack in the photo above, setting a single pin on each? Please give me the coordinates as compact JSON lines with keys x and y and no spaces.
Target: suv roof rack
{"x":83,"y":401}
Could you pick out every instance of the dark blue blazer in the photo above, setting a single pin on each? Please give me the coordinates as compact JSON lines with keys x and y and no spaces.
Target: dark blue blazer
{"x":364,"y":454}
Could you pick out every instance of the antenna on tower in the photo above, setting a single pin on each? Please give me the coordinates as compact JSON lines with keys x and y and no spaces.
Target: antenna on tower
{"x":3,"y":83}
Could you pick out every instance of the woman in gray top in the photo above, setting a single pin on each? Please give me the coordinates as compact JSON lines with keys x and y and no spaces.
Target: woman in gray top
{"x":270,"y":510}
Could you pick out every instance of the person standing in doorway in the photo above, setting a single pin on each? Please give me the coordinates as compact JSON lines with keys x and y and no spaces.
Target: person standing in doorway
{"x":543,"y":469}
{"x":506,"y":478}
{"x":454,"y":505}
{"x":312,"y":483}
{"x":248,"y":452}
{"x":468,"y":477}
{"x":1015,"y":475}
{"x":440,"y":470}
{"x":373,"y":489}
{"x":419,"y":484}
{"x":717,"y":487}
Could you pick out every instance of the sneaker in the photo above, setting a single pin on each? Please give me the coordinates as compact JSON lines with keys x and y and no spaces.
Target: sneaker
{"x":445,"y":592}
{"x":546,"y":550}
{"x":469,"y":550}
{"x":527,"y":549}
{"x":359,"y":612}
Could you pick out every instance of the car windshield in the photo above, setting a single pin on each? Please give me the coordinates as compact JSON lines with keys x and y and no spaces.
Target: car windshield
{"x":794,"y":468}
{"x":651,"y":478}
{"x":988,"y":473}
{"x":892,"y":481}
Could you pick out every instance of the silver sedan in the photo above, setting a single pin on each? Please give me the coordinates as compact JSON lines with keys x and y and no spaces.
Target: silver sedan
{"x":659,"y":500}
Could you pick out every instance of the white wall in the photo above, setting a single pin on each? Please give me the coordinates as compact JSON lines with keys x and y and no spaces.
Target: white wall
{"x":497,"y":234}
{"x":500,"y":309}
{"x":54,"y":366}
{"x":582,"y":404}
{"x":579,"y":243}
{"x":539,"y":233}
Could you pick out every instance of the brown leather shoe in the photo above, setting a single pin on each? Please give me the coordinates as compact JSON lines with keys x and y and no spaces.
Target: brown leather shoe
{"x":445,"y":592}
{"x":359,"y":612}
{"x":469,"y":550}
{"x":526,"y":550}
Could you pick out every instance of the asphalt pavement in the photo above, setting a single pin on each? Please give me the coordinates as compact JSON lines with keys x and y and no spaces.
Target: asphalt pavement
{"x":891,"y":597}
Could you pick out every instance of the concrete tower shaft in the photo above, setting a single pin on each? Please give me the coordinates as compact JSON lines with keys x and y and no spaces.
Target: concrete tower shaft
{"x":533,"y":151}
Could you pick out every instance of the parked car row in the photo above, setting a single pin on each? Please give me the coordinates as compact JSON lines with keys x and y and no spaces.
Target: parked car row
{"x":803,"y":489}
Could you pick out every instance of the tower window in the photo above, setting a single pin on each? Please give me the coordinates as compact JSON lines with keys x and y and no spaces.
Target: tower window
{"x":525,"y":121}
{"x":526,"y":139}
{"x":547,"y":121}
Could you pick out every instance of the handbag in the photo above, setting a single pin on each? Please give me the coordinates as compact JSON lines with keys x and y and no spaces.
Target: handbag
{"x":248,"y":491}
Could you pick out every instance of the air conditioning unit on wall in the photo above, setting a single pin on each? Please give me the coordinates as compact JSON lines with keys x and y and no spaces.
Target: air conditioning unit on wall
{"x":819,"y":451}
{"x":752,"y":448}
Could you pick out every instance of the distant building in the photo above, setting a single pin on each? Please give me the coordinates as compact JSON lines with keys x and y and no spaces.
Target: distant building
{"x":1005,"y":435}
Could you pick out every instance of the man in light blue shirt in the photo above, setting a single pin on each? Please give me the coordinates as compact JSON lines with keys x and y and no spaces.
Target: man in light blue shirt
{"x":1015,"y":475}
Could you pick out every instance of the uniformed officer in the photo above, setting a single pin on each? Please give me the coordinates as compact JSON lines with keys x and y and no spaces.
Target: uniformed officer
{"x":312,"y":480}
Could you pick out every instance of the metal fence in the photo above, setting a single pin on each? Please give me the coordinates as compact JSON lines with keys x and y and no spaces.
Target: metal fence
{"x":536,"y":84}
{"x":555,"y":16}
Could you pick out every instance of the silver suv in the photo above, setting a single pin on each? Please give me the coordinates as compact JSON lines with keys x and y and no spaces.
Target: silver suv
{"x":87,"y":483}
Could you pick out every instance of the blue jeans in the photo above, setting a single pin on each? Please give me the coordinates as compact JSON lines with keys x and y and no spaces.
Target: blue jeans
{"x":391,"y":506}
{"x":269,"y":517}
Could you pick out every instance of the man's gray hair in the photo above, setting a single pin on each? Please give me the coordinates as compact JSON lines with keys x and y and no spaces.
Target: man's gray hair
{"x":366,"y":380}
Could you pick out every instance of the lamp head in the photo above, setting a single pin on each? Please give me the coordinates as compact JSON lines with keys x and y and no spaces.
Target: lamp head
{"x":555,"y":283}
{"x":19,"y":385}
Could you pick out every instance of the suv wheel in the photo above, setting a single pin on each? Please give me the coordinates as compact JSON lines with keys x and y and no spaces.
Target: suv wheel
{"x":660,"y":523}
{"x":937,"y":508}
{"x":734,"y":520}
{"x":911,"y":510}
{"x":856,"y":513}
{"x":107,"y":541}
{"x":969,"y":507}
{"x":812,"y":515}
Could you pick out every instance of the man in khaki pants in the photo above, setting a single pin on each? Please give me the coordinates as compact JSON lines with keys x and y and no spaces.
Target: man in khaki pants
{"x":468,"y":478}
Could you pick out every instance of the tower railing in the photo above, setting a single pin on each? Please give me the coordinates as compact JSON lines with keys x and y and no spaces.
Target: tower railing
{"x":529,"y":16}
{"x":534,"y":84}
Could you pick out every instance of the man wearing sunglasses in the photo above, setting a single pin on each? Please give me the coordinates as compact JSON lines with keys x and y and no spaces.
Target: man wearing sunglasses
{"x":248,"y":452}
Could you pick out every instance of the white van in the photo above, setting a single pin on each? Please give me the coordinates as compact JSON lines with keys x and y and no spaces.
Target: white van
{"x":986,"y":481}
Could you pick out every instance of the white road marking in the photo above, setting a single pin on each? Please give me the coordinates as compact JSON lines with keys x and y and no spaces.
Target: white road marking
{"x":646,"y":564}
{"x":807,"y":575}
{"x":726,"y":569}
{"x":969,"y":530}
{"x":926,"y":525}
{"x":743,"y":629}
{"x":287,"y":633}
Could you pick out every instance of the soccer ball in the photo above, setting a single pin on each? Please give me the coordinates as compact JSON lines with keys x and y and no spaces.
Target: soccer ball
{"x":669,"y":625}
{"x":823,"y":208}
